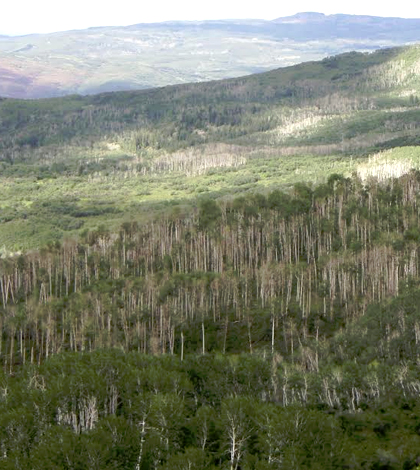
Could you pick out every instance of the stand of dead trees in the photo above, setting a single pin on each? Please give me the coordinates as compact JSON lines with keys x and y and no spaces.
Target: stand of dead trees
{"x":282,"y":272}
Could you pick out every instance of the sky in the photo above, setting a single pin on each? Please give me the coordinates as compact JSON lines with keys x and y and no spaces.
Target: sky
{"x":43,"y":16}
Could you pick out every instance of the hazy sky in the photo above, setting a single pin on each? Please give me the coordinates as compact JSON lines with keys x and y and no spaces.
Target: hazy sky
{"x":41,"y":16}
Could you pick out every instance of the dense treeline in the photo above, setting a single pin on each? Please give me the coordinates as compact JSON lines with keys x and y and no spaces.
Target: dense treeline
{"x":113,"y":410}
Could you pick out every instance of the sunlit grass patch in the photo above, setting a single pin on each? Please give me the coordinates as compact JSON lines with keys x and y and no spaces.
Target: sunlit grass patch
{"x":391,"y":163}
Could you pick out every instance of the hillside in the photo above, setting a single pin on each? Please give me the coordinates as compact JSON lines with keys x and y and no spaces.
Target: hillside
{"x":176,"y":143}
{"x":150,"y":55}
{"x":215,"y":275}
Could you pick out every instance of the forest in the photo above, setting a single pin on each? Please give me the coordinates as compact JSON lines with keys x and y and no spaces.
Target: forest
{"x":167,"y":337}
{"x":271,"y":322}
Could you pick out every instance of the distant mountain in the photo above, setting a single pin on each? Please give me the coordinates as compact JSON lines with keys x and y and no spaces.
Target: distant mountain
{"x":149,"y":55}
{"x":304,"y":17}
{"x":309,"y":25}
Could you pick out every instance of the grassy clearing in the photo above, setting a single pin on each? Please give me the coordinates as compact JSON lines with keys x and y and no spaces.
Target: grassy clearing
{"x":37,"y":210}
{"x":391,"y":163}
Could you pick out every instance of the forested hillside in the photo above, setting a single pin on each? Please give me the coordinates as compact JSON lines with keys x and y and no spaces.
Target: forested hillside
{"x":238,"y":284}
{"x":270,"y":310}
{"x":114,"y":157}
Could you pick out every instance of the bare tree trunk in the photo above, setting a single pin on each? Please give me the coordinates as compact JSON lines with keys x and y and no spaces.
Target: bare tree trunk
{"x":182,"y":345}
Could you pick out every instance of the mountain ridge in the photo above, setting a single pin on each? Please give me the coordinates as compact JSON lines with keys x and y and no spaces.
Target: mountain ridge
{"x":159,"y":54}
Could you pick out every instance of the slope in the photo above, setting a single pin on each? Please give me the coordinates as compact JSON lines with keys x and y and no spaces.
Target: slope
{"x":270,"y":321}
{"x":118,"y":155}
